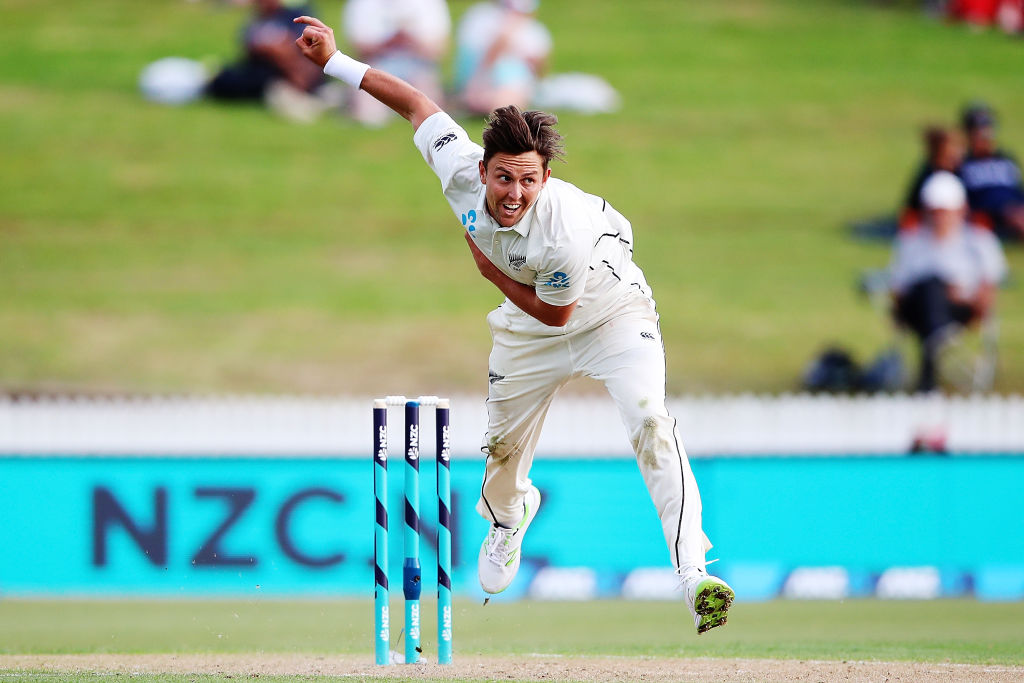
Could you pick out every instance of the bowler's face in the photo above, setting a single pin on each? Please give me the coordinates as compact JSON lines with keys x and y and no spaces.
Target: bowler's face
{"x":513,"y":183}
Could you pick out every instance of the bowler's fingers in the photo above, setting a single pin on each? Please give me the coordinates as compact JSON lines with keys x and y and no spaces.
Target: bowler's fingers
{"x":311,"y":21}
{"x":311,"y":36}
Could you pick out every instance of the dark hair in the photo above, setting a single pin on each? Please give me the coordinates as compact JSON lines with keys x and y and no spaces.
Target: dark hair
{"x":977,"y":115}
{"x":935,"y":137}
{"x":510,"y":131}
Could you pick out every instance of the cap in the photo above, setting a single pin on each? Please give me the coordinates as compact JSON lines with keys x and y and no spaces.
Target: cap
{"x":977,"y":115}
{"x":943,"y":190}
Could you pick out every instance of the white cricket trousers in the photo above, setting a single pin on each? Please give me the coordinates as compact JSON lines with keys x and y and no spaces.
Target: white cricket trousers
{"x":626,"y":353}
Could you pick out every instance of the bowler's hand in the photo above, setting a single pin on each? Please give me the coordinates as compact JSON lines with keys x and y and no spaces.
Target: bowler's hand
{"x":317,"y":40}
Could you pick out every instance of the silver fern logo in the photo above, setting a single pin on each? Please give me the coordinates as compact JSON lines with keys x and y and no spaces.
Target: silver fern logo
{"x":516,"y":262}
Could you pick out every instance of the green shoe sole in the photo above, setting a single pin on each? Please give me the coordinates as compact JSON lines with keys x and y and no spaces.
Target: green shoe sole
{"x":712,"y":604}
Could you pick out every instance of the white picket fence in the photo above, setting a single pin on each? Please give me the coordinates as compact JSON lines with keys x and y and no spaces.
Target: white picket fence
{"x":576,"y":426}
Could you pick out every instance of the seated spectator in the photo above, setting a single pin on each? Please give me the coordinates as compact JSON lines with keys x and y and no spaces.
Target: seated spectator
{"x":406,"y":38}
{"x":991,"y":176}
{"x":500,"y":51}
{"x":978,"y":12}
{"x":944,"y":274}
{"x":1008,"y":14}
{"x":272,"y":67}
{"x":943,"y":152}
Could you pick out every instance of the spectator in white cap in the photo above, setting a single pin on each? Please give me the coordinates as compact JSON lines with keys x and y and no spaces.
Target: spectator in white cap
{"x":944,"y":275}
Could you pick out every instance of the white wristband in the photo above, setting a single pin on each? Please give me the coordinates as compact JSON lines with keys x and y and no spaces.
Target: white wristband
{"x":344,"y":68}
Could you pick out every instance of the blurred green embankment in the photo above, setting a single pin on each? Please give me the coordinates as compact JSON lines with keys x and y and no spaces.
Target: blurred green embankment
{"x":211,"y":248}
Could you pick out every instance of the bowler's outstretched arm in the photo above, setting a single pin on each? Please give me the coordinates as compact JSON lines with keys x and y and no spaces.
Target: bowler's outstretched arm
{"x":318,"y":45}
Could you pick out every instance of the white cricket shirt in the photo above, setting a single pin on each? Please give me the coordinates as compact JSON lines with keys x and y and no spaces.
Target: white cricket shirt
{"x":568,"y":246}
{"x":966,"y":259}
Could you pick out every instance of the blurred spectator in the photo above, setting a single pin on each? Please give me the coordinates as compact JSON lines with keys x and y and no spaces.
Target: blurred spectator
{"x":943,"y":274}
{"x":1008,"y":14}
{"x":500,"y":51}
{"x":943,"y":152}
{"x":406,"y":38}
{"x":272,"y":68}
{"x":978,"y":12}
{"x":992,"y":177}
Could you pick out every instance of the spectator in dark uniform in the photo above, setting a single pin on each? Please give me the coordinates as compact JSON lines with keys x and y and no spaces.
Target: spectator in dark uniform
{"x":272,"y":67}
{"x":991,"y":176}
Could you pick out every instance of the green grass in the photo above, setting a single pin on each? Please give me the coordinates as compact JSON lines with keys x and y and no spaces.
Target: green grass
{"x":932,"y":631}
{"x":211,"y":248}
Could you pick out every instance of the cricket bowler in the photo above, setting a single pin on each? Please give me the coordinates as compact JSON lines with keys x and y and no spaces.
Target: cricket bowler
{"x":576,"y":305}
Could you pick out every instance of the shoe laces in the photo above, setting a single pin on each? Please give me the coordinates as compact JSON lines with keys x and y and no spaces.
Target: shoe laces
{"x":688,"y":578}
{"x":686,"y":574}
{"x":498,"y":544}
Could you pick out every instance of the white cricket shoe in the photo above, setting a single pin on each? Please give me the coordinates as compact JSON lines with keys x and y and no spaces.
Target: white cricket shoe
{"x":708,"y":598}
{"x":500,"y":553}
